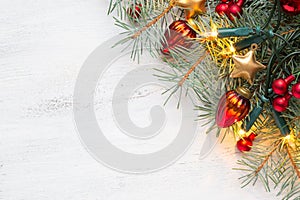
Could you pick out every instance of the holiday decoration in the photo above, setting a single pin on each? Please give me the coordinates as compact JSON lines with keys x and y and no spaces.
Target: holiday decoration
{"x":296,"y":90}
{"x":231,"y":8}
{"x":220,"y":63}
{"x":179,"y":34}
{"x":252,"y":136}
{"x":281,"y":103}
{"x":280,"y":86}
{"x":246,"y":66}
{"x":233,"y":106}
{"x":291,"y":7}
{"x":134,"y":11}
{"x":244,"y":144}
{"x":222,"y":8}
{"x":192,"y":7}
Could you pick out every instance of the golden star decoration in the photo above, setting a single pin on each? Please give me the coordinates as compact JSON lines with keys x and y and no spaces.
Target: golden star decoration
{"x":246,"y":66}
{"x":193,"y":7}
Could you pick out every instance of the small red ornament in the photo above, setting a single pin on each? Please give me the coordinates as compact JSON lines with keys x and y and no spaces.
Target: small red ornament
{"x":281,"y":103}
{"x":296,"y":90}
{"x":222,"y":8}
{"x":233,"y":106}
{"x":252,"y":136}
{"x":234,"y":11}
{"x":280,"y":86}
{"x":178,"y":35}
{"x":134,"y":11}
{"x":231,"y":8}
{"x":290,"y":7}
{"x":244,"y":144}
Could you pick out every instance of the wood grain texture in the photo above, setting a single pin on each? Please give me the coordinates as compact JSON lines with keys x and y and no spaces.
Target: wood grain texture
{"x":43,"y":44}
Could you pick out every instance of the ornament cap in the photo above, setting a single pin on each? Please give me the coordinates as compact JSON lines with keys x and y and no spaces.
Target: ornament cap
{"x":245,"y":92}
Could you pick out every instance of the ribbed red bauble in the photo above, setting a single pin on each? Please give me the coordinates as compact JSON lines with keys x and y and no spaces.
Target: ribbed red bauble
{"x":134,"y":11}
{"x":296,"y":90}
{"x":290,"y":7}
{"x":244,"y":144}
{"x":280,"y":86}
{"x":281,"y":103}
{"x":233,"y":106}
{"x":179,"y":34}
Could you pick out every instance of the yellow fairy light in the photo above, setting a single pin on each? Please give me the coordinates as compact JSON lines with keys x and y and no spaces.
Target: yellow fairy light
{"x":232,"y":49}
{"x":220,"y":49}
{"x":242,"y":133}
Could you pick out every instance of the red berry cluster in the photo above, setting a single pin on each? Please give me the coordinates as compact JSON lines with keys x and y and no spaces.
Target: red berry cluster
{"x":280,"y":87}
{"x":231,"y":8}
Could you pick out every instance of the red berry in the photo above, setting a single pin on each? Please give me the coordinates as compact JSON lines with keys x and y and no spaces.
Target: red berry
{"x":221,"y":8}
{"x":281,"y":103}
{"x":296,"y":90}
{"x":244,"y":144}
{"x":291,"y":7}
{"x":280,"y":86}
{"x":252,"y":136}
{"x":234,"y":11}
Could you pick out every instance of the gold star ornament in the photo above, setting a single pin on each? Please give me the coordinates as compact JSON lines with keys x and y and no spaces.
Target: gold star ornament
{"x":192,"y":7}
{"x":246,"y":66}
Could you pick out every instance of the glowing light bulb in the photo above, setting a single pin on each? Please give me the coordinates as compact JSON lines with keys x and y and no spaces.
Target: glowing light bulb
{"x":288,"y":137}
{"x":210,"y":35}
{"x":232,"y":49}
{"x":242,"y":132}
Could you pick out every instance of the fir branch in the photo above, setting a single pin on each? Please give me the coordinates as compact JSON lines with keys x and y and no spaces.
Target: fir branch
{"x":138,"y":33}
{"x":292,"y":160}
{"x":266,"y":159}
{"x":192,"y":68}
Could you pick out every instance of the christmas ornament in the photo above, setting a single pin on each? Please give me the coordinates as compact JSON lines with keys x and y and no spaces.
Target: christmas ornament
{"x":252,"y":136}
{"x":244,"y":144}
{"x":296,"y":90}
{"x":290,"y":7}
{"x":280,"y":86}
{"x":178,"y":34}
{"x":281,"y":103}
{"x":192,"y":7}
{"x":246,"y":66}
{"x":231,"y":8}
{"x":234,"y":11}
{"x":233,"y":106}
{"x":221,"y":8}
{"x":134,"y":11}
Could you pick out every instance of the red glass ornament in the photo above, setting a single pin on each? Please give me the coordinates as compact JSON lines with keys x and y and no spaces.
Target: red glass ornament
{"x":280,"y":86}
{"x":134,"y":11}
{"x":296,"y":90}
{"x":178,"y":35}
{"x":233,"y":106}
{"x":290,"y":7}
{"x":221,"y":8}
{"x":281,"y":103}
{"x":244,"y":144}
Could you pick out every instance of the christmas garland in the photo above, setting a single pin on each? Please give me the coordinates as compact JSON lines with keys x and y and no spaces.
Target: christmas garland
{"x":241,"y":58}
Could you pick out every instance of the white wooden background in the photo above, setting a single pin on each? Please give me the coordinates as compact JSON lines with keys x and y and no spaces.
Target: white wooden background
{"x":43,"y":44}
